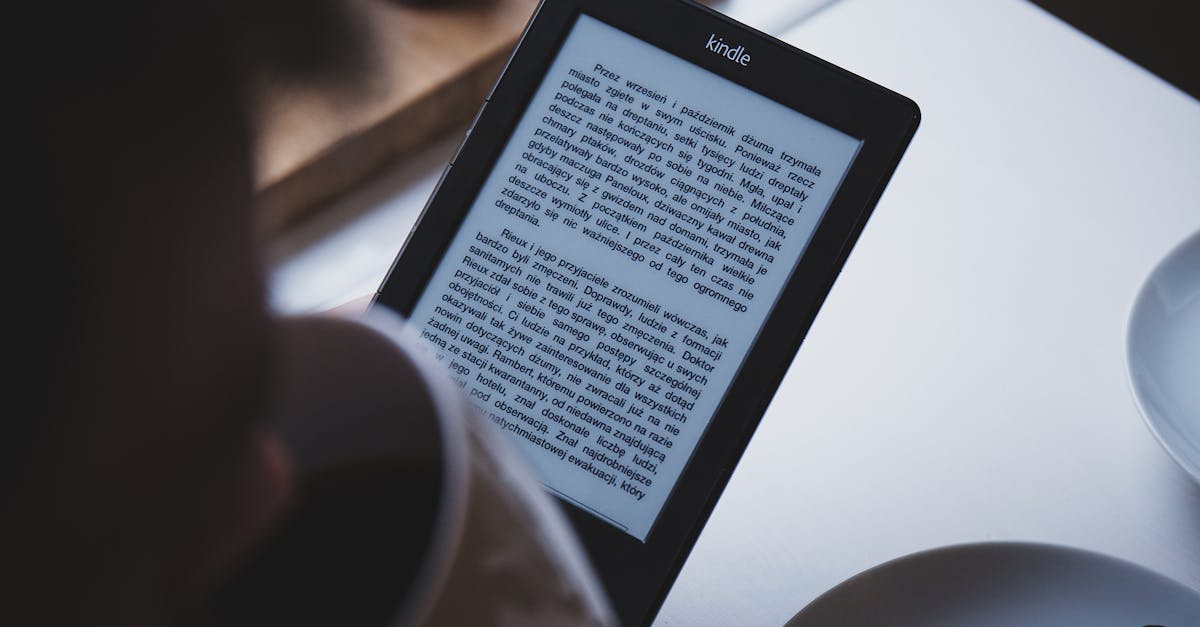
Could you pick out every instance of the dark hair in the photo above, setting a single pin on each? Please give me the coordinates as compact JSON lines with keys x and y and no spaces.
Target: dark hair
{"x":77,"y":64}
{"x":94,"y":85}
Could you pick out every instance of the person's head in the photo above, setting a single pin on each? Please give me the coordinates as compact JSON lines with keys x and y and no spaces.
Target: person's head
{"x":132,"y":465}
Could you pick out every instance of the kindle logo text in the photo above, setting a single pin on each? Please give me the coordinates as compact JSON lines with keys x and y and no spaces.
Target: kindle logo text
{"x":738,"y":55}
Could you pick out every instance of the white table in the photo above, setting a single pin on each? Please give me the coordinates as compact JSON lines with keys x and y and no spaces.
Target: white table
{"x":965,"y":380}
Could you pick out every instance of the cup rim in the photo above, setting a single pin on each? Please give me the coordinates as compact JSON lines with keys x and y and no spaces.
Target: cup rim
{"x":451,"y":411}
{"x":1154,"y":422}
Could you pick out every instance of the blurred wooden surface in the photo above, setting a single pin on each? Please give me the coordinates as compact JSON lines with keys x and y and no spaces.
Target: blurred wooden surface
{"x":435,"y":65}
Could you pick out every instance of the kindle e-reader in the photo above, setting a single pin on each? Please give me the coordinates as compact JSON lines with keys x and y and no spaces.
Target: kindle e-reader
{"x":622,"y":259}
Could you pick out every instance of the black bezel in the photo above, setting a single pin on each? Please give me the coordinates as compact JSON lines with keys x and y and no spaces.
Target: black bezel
{"x":636,"y":574}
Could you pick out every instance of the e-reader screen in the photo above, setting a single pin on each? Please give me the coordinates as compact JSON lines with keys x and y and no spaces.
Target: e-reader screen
{"x":620,"y":260}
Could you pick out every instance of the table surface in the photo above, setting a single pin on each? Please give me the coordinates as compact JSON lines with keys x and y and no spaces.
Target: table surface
{"x":965,"y":380}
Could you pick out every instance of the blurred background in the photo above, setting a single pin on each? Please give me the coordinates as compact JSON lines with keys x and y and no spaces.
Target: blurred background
{"x":343,"y":180}
{"x":1159,"y":35}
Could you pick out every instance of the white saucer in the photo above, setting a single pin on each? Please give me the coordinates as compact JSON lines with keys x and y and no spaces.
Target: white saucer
{"x":1000,"y":584}
{"x":1163,"y":353}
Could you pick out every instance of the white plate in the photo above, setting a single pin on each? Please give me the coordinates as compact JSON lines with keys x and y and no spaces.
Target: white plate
{"x":1164,"y":353}
{"x":1000,"y":584}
